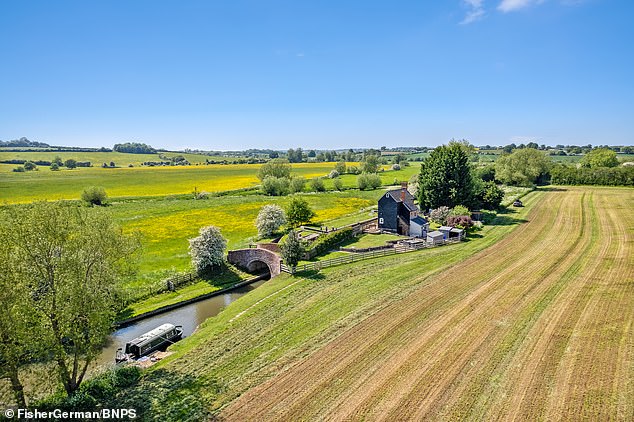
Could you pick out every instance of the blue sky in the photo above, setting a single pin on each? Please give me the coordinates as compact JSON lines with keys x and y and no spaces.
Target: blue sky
{"x":317,"y":74}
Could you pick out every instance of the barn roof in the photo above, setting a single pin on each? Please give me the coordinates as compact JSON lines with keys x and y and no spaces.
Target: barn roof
{"x":445,"y":228}
{"x":409,"y":199}
{"x":435,"y":233}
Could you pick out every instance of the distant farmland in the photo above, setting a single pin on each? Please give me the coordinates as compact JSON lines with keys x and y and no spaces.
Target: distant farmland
{"x":536,"y":327}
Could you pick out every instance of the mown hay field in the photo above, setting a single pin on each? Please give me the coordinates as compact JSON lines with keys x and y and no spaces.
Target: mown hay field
{"x":45,"y":184}
{"x":537,"y":327}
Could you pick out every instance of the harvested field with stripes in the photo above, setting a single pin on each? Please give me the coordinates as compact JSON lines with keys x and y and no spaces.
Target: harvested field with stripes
{"x":539,"y":326}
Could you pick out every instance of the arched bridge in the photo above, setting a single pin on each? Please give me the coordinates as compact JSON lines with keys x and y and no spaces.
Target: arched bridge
{"x":255,"y":259}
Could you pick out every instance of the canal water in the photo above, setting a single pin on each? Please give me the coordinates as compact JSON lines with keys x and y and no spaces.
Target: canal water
{"x":189,"y":316}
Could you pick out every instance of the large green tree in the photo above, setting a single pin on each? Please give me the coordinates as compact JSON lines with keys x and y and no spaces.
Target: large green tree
{"x":298,"y":212}
{"x":70,"y":260}
{"x":524,"y":167}
{"x":445,"y":178}
{"x":600,"y":157}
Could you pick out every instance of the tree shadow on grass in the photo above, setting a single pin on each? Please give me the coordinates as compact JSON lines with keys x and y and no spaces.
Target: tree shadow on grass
{"x":507,"y":220}
{"x":551,"y":189}
{"x":169,"y":395}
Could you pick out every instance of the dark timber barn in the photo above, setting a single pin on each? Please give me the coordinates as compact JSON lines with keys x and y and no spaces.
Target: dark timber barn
{"x":397,"y":212}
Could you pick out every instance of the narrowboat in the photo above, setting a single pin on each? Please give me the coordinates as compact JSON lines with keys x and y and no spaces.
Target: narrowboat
{"x":147,"y":343}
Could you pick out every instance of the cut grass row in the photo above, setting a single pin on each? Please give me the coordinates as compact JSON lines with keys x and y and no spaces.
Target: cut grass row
{"x":228,"y":354}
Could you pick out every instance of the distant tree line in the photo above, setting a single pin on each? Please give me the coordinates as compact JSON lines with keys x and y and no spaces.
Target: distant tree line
{"x":23,"y":142}
{"x":134,"y":148}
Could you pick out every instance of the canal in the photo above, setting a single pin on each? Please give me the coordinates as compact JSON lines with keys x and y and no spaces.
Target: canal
{"x":189,"y":316}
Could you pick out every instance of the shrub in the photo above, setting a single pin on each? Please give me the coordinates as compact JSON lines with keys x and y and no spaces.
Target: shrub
{"x":298,"y":212}
{"x":326,"y":242}
{"x":54,"y":167}
{"x":396,"y":167}
{"x":70,"y":163}
{"x":19,"y":169}
{"x":340,"y":167}
{"x":338,"y":184}
{"x":461,"y":221}
{"x":333,"y":174}
{"x":269,"y":220}
{"x":317,"y":184}
{"x":353,"y":170}
{"x":297,"y":184}
{"x":440,"y":214}
{"x":208,"y":249}
{"x":275,"y":186}
{"x":30,"y":165}
{"x":460,"y":210}
{"x":368,"y":181}
{"x":94,"y":195}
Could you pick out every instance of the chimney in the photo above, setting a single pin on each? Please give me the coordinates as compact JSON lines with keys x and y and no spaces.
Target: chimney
{"x":403,"y":190}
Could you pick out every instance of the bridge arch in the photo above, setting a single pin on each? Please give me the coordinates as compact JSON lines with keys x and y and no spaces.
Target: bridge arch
{"x":254,"y":259}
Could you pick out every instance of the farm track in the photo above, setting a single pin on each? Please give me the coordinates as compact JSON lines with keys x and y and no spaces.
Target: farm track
{"x":538,"y":326}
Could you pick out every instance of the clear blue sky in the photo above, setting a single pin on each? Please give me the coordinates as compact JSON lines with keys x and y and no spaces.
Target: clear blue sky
{"x":317,"y":74}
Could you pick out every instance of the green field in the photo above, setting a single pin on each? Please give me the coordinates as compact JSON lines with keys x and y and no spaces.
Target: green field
{"x":121,"y":159}
{"x":165,"y":225}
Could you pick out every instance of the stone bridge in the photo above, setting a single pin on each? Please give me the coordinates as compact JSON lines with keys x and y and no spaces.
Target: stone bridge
{"x":255,"y":260}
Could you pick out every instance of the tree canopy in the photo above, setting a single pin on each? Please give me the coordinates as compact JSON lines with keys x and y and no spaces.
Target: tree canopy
{"x":134,"y":148}
{"x":445,"y":178}
{"x":524,"y":167}
{"x":65,"y":263}
{"x":600,"y":157}
{"x":208,"y":249}
{"x":277,"y":167}
{"x":298,"y":212}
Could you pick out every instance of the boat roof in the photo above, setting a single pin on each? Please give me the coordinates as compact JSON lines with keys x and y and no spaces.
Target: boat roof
{"x":151,"y":335}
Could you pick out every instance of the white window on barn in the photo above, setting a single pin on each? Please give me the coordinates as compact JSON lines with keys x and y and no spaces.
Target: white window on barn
{"x":381,"y":220}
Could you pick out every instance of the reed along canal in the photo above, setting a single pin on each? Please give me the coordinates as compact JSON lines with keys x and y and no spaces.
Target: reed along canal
{"x":189,"y":316}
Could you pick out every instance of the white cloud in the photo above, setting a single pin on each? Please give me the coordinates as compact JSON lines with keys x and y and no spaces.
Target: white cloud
{"x":513,"y":5}
{"x":475,"y":12}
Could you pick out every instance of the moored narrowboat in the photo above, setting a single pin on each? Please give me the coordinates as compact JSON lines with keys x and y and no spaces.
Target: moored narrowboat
{"x":147,"y":343}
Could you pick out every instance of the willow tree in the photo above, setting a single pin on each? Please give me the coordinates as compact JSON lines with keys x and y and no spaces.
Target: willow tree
{"x":71,"y":261}
{"x":445,"y":178}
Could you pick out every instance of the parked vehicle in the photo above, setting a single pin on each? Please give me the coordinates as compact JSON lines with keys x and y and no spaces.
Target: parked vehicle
{"x":518,"y":203}
{"x":147,"y":343}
